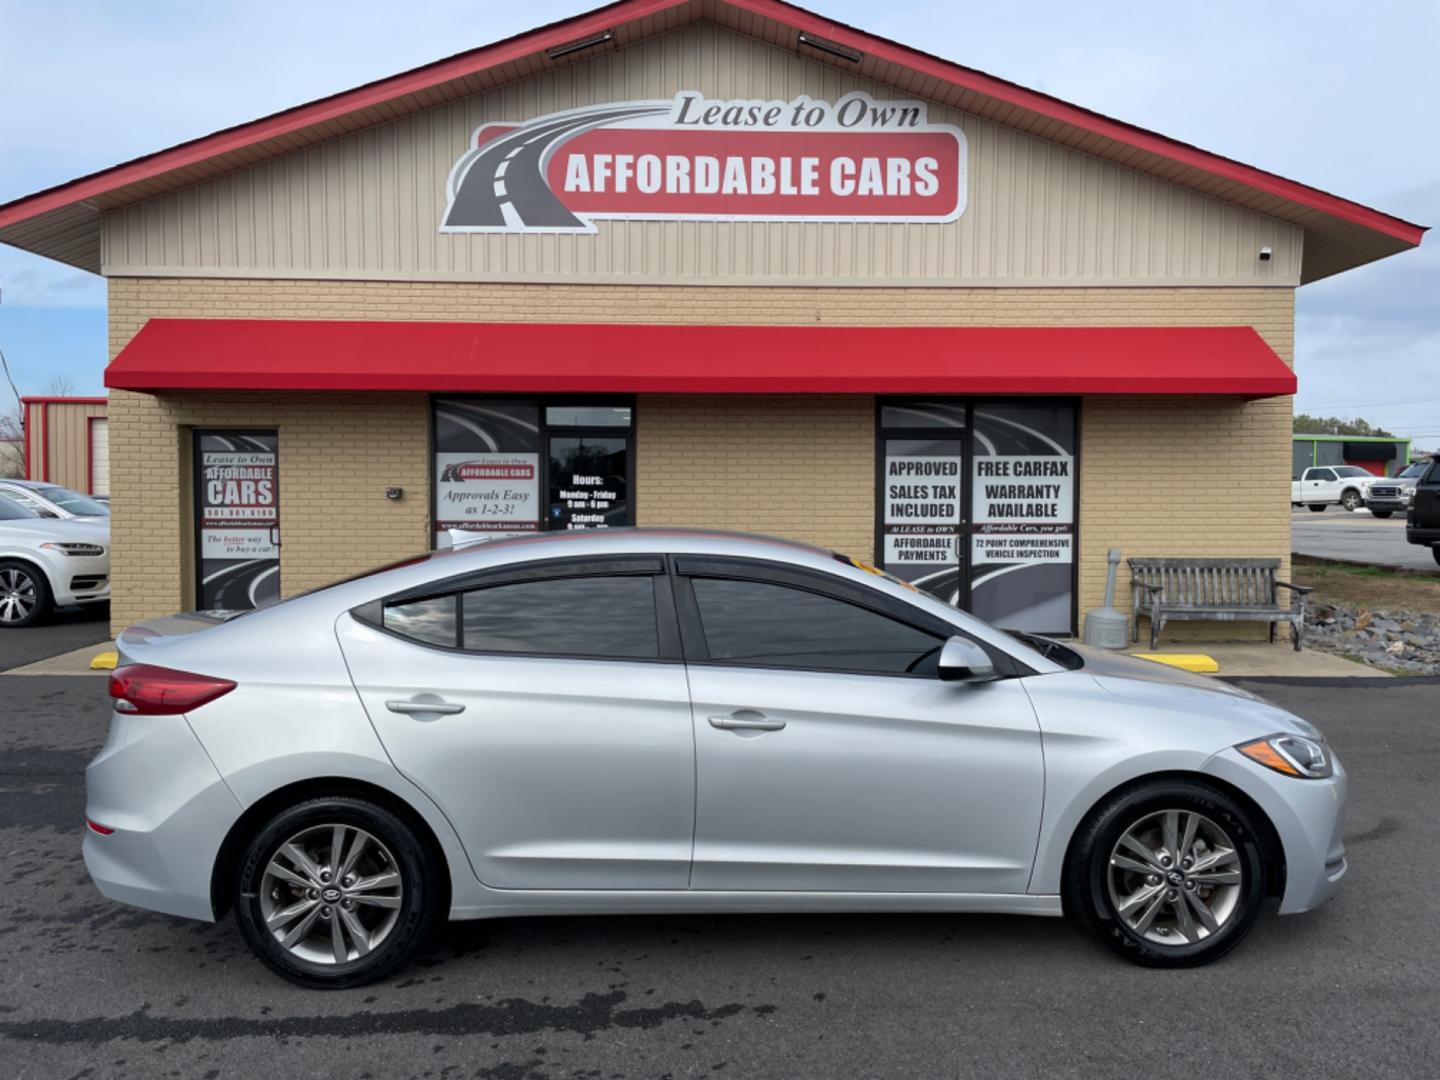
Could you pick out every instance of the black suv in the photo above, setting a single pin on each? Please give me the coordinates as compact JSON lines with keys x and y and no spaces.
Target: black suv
{"x":1422,"y":521}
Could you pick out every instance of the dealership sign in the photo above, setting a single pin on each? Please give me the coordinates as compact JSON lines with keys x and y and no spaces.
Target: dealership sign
{"x":693,"y":159}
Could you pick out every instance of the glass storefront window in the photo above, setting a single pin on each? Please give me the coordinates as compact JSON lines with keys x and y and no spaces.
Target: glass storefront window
{"x":588,"y":415}
{"x":503,"y":466}
{"x":976,"y":505}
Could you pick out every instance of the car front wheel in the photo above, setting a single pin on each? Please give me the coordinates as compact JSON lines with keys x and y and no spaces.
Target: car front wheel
{"x":1351,"y":500}
{"x":1435,"y":552}
{"x":1168,"y":874}
{"x":1381,"y":513}
{"x":335,"y":892}
{"x":24,"y":595}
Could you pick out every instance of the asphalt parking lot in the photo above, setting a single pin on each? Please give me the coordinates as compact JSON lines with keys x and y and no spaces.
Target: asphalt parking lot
{"x":1357,"y":537}
{"x":90,"y":988}
{"x":66,"y":629}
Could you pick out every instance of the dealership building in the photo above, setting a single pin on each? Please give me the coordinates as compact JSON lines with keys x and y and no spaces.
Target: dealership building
{"x":718,"y":263}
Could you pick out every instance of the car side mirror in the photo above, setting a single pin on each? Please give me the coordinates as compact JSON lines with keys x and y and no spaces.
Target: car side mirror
{"x":961,"y":660}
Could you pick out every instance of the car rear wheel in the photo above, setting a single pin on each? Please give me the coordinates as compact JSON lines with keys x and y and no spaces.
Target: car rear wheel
{"x":24,"y":595}
{"x":1317,"y":508}
{"x":1435,"y":553}
{"x":335,"y":892}
{"x":1351,"y":500}
{"x":1168,"y":874}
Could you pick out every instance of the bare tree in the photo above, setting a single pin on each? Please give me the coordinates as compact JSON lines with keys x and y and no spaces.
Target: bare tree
{"x":12,"y":454}
{"x":60,"y":386}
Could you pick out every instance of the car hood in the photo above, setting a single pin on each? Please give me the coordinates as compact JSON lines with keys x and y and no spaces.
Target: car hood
{"x":1166,"y":687}
{"x":78,"y":530}
{"x":1108,"y":665}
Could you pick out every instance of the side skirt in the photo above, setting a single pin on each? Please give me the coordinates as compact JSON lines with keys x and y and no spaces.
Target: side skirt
{"x":508,"y":903}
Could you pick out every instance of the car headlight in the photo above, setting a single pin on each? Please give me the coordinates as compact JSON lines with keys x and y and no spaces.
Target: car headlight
{"x":1293,"y":755}
{"x":77,"y":550}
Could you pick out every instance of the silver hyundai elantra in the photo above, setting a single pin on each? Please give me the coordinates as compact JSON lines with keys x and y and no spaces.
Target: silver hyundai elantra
{"x":663,"y":721}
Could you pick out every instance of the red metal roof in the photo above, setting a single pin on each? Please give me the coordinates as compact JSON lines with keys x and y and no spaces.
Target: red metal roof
{"x":67,"y":234}
{"x":276,"y":354}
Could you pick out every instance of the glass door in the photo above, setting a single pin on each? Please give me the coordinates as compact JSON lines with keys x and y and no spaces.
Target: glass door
{"x":589,"y":481}
{"x":237,"y":519}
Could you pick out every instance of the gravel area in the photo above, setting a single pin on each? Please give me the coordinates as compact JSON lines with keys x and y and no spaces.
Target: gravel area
{"x":1405,"y":642}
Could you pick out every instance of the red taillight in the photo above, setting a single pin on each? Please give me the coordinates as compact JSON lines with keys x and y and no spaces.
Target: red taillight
{"x":147,"y":690}
{"x":103,"y":830}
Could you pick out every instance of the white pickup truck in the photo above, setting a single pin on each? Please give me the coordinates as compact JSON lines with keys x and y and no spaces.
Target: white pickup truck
{"x":1322,"y":485}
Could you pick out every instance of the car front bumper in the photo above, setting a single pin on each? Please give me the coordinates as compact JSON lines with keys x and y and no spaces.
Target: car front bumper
{"x":78,"y":580}
{"x":1393,"y":505}
{"x":153,"y":784}
{"x":1308,"y":816}
{"x":1426,"y":536}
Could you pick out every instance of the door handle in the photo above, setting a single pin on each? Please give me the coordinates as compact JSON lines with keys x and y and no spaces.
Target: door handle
{"x":425,"y":708}
{"x":746,"y":720}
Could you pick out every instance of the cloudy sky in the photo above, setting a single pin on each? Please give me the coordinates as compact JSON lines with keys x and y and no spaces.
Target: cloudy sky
{"x":1341,"y":98}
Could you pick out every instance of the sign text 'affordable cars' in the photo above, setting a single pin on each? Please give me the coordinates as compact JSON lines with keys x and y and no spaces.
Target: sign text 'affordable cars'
{"x":856,"y":159}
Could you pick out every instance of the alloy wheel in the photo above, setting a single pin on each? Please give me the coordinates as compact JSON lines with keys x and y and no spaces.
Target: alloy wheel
{"x":331,"y":894}
{"x":1175,"y":878}
{"x":18,"y":595}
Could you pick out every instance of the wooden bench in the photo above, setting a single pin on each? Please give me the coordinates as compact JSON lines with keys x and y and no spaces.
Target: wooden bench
{"x":1227,"y":590}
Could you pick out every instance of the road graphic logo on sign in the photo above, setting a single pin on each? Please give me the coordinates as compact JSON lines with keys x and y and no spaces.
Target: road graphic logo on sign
{"x":694,"y":159}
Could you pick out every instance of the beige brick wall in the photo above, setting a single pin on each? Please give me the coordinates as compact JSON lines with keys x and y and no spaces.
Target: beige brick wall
{"x":336,"y":459}
{"x":1158,"y":476}
{"x":787,"y":465}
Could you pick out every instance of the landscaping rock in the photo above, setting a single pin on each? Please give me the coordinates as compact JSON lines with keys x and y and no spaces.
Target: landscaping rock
{"x":1405,"y":642}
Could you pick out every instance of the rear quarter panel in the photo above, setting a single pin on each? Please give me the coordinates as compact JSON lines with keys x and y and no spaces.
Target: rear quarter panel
{"x":294,"y":716}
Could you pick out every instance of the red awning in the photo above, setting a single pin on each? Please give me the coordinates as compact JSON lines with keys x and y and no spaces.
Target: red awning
{"x":260,"y":354}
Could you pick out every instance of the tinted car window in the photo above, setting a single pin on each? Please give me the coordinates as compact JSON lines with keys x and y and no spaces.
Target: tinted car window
{"x":754,"y":622}
{"x":431,"y":621}
{"x":1321,"y":474}
{"x":594,"y":616}
{"x":74,"y":502}
{"x":13,"y":511}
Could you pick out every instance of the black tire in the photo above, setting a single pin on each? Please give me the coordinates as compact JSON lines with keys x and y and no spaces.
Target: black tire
{"x":1350,"y":500}
{"x":1382,"y":514}
{"x":1435,"y":552}
{"x":419,"y":897}
{"x":1317,"y":508}
{"x":1086,"y":889}
{"x":26,"y":580}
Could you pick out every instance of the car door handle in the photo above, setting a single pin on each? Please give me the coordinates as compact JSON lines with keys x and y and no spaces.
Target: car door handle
{"x":746,"y":720}
{"x":425,"y":708}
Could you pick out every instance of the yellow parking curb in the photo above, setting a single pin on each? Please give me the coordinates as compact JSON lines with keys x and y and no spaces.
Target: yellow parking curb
{"x":105,"y":661}
{"x":1185,"y":661}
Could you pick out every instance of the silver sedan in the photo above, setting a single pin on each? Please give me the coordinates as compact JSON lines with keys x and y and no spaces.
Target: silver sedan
{"x":656,"y":721}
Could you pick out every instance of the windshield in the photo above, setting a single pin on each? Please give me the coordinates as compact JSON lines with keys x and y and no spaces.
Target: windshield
{"x":1415,"y":471}
{"x":10,"y":511}
{"x":1351,"y":470}
{"x":73,"y":502}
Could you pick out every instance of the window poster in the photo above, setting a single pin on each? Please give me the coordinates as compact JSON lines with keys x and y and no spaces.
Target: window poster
{"x":922,"y":514}
{"x":1022,"y":534}
{"x":589,"y":482}
{"x":487,"y":467}
{"x":237,"y":499}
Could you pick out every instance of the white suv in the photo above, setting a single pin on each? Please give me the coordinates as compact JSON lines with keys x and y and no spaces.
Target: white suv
{"x":49,"y":562}
{"x":52,"y":500}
